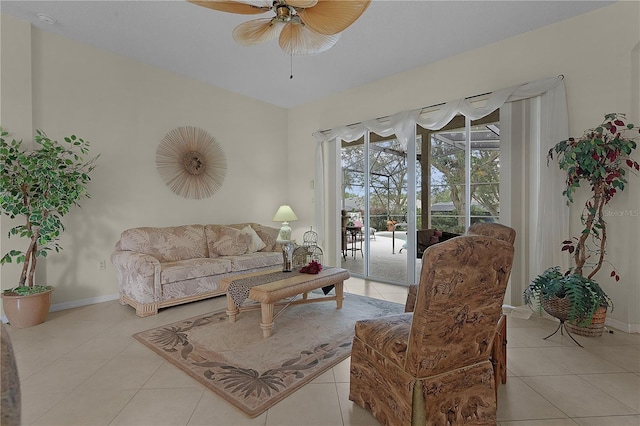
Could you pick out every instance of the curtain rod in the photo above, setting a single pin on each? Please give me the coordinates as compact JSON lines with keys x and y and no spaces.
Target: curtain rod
{"x":560,"y":76}
{"x":422,"y":109}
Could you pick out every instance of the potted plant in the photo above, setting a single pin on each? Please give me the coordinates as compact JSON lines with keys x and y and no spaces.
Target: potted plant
{"x":566,"y":296}
{"x":600,"y":159}
{"x":40,"y":186}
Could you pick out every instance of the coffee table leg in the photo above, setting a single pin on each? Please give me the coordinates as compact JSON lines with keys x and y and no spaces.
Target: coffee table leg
{"x":267,"y":319}
{"x":232,"y":309}
{"x":339,"y":294}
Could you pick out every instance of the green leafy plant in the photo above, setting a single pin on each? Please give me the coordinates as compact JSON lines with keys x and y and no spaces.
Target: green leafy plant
{"x":41,"y":186}
{"x":584,"y":294}
{"x":601,"y":159}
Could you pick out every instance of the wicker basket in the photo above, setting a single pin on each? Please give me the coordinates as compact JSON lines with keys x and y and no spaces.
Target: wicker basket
{"x":557,"y":307}
{"x":594,"y":329}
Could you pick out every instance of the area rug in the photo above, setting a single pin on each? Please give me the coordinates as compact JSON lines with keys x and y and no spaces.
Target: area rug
{"x":253,"y":373}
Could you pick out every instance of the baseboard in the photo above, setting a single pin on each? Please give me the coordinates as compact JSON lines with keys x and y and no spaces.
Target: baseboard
{"x":618,"y":325}
{"x":622,"y":326}
{"x":83,"y":302}
{"x":76,"y":304}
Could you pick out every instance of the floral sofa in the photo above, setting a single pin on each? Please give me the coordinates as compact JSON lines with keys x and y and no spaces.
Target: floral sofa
{"x":161,"y":267}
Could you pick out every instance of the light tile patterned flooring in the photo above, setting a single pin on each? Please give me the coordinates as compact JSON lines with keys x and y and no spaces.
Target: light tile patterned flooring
{"x":82,"y":367}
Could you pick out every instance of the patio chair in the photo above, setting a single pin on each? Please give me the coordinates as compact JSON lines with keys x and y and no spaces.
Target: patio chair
{"x":432,"y":367}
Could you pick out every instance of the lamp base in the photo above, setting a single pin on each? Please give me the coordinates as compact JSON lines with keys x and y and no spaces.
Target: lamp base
{"x":285,"y":233}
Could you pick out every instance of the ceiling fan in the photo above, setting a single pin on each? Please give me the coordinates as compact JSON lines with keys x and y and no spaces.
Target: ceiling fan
{"x":303,"y":27}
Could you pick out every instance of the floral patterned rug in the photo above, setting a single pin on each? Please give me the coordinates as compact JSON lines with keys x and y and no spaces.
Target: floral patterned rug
{"x":252,"y":373}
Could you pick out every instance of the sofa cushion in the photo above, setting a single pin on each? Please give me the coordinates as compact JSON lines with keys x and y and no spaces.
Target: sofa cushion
{"x":169,"y":244}
{"x":255,"y":244}
{"x":193,"y":268}
{"x":259,"y":259}
{"x":229,"y":242}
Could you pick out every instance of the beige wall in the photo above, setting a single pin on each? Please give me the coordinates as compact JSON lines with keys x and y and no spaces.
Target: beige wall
{"x":125,"y":108}
{"x":598,"y":54}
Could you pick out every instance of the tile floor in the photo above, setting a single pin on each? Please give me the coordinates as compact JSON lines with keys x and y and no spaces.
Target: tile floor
{"x":82,"y":367}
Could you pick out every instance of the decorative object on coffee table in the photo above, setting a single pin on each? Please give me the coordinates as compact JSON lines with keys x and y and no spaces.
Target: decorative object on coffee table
{"x":191,"y":162}
{"x":308,"y":252}
{"x":287,"y":256}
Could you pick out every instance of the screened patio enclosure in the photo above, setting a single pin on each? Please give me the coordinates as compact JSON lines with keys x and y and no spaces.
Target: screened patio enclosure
{"x":377,"y":190}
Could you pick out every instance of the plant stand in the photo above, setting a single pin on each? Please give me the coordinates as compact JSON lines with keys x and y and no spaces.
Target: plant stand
{"x":558,"y":308}
{"x":561,"y":327}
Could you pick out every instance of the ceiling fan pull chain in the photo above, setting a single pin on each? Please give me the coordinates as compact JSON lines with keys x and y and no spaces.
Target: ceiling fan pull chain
{"x":291,"y":76}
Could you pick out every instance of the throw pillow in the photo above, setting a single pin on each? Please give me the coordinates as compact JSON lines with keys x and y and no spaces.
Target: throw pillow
{"x":268,"y":235}
{"x":255,"y":244}
{"x":230,"y":242}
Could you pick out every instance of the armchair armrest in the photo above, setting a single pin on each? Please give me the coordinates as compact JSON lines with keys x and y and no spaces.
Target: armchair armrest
{"x":138,"y":275}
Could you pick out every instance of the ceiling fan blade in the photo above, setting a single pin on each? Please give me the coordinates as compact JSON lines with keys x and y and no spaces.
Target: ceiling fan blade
{"x":302,"y":3}
{"x":295,"y":39}
{"x":234,"y":6}
{"x":256,"y":31}
{"x":333,"y":16}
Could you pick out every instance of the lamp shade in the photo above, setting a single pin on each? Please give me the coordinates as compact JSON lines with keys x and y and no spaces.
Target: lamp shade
{"x":285,"y":214}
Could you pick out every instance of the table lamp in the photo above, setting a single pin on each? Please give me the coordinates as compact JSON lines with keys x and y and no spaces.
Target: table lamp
{"x":284,"y":215}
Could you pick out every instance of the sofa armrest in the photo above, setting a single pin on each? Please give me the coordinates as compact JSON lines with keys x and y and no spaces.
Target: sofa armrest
{"x":138,"y":275}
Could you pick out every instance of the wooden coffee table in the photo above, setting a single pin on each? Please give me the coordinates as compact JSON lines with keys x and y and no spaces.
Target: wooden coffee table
{"x":276,"y":286}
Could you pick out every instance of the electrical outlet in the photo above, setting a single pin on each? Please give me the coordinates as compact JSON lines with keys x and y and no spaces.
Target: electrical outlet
{"x":102,"y":264}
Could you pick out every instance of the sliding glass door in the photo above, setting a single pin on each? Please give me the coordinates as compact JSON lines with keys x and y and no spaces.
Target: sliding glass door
{"x":444,"y":179}
{"x":376,"y":199}
{"x":388,"y":194}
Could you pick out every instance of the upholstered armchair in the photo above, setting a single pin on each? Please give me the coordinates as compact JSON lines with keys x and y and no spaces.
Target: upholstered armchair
{"x":499,"y":345}
{"x":432,"y":367}
{"x":495,"y":230}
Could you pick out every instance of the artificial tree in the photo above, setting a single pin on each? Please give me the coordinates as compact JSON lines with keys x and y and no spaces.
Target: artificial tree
{"x":41,"y":186}
{"x":601,"y":159}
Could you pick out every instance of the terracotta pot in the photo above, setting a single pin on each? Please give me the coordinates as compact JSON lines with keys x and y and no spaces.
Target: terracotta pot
{"x":27,"y":311}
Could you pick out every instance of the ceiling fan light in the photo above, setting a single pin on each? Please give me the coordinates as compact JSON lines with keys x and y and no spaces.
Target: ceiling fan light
{"x":283,"y":13}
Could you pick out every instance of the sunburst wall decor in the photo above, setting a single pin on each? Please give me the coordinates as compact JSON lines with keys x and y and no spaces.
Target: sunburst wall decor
{"x":191,"y":162}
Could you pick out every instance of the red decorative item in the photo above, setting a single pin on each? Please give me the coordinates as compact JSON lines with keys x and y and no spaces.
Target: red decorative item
{"x":312,"y":268}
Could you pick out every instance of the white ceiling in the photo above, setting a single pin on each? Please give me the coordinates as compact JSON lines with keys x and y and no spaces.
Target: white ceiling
{"x":390,"y":37}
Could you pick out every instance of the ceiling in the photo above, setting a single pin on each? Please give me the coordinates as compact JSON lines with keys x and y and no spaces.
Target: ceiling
{"x":390,"y":37}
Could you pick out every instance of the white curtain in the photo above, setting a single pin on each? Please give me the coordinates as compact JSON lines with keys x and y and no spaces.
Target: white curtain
{"x":551,"y":218}
{"x":435,"y":118}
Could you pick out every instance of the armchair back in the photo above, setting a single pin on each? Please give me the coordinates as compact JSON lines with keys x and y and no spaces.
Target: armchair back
{"x":459,"y":302}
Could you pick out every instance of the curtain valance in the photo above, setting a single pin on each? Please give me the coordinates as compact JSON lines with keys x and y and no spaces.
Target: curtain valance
{"x":403,"y":123}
